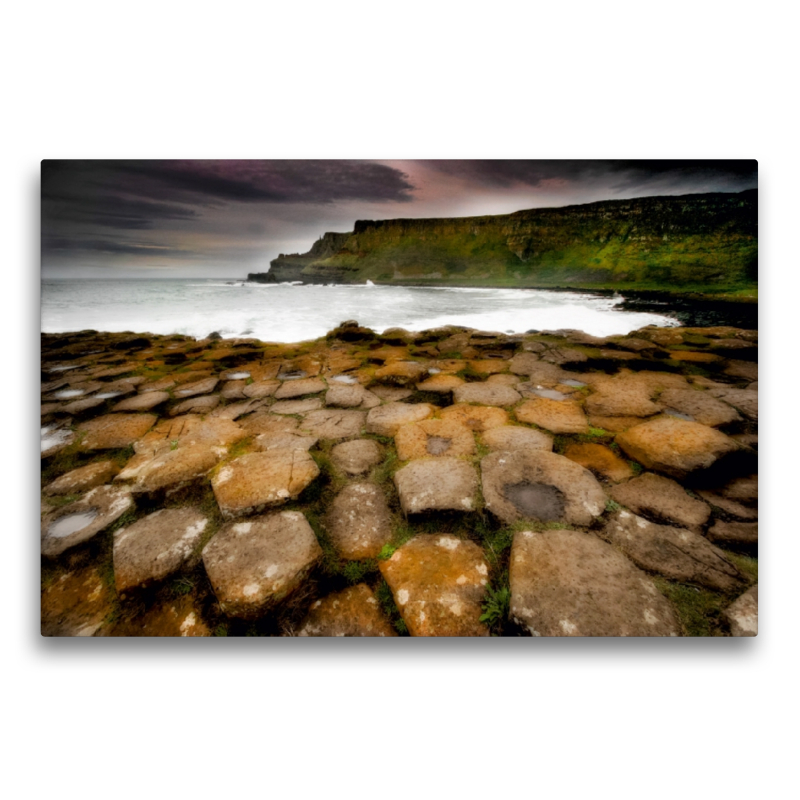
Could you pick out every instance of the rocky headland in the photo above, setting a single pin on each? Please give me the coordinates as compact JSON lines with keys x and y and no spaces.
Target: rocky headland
{"x":706,"y":244}
{"x":448,"y":482}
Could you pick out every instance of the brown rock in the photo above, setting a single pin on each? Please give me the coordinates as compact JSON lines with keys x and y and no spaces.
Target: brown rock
{"x":352,"y":612}
{"x":391,"y":394}
{"x":440,"y":383}
{"x":112,"y":431}
{"x":622,"y":398}
{"x":438,"y":583}
{"x":203,"y":386}
{"x":253,"y":565}
{"x":731,"y":507}
{"x":489,"y":394}
{"x":567,"y":583}
{"x":742,"y":614}
{"x":359,"y":522}
{"x":386,"y":420}
{"x":356,"y":457}
{"x":434,"y":437}
{"x":515,"y":437}
{"x":677,"y":553}
{"x":477,"y":418}
{"x":529,"y":484}
{"x":746,"y":370}
{"x":600,"y":460}
{"x":662,"y":500}
{"x":615,"y":424}
{"x":173,"y":469}
{"x":156,"y":546}
{"x":198,"y":405}
{"x":296,"y":406}
{"x":675,"y":446}
{"x":82,"y":478}
{"x":333,"y":424}
{"x":76,"y":604}
{"x":557,"y":416}
{"x":180,"y":617}
{"x":401,"y":373}
{"x":734,"y":532}
{"x":282,"y":441}
{"x":297,"y":388}
{"x":142,"y":402}
{"x":524,"y":363}
{"x":261,"y":389}
{"x":743,"y":400}
{"x":437,"y":485}
{"x":563,"y":355}
{"x":700,"y":406}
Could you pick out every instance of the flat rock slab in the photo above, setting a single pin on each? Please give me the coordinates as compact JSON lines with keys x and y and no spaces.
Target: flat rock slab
{"x":391,"y":394}
{"x":434,"y":437}
{"x":297,"y":388}
{"x":742,"y":614}
{"x":357,"y":457}
{"x":81,"y":406}
{"x":142,"y":402}
{"x":524,"y":363}
{"x":677,"y":553}
{"x":332,"y":424}
{"x":296,"y":406}
{"x":701,"y":406}
{"x":254,"y":565}
{"x":733,"y":532}
{"x":622,"y":398}
{"x":386,"y":420}
{"x":439,"y":484}
{"x":260,"y":389}
{"x":234,"y":390}
{"x":268,"y":423}
{"x":600,"y":460}
{"x":173,"y":469}
{"x":515,"y":437}
{"x":82,"y":478}
{"x":440,"y":383}
{"x":615,"y":424}
{"x":731,"y":508}
{"x":196,"y":405}
{"x":527,"y":484}
{"x":156,"y":546}
{"x":674,"y":446}
{"x":113,"y":431}
{"x":181,"y":617}
{"x":438,"y":583}
{"x":351,"y":396}
{"x":563,"y":355}
{"x":256,"y":481}
{"x":203,"y":386}
{"x":476,"y":418}
{"x":744,"y":400}
{"x":567,"y":583}
{"x":289,"y":440}
{"x":78,"y":522}
{"x":557,"y":416}
{"x":352,"y":612}
{"x":401,"y":373}
{"x":76,"y":604}
{"x":488,"y":394}
{"x":662,"y":500}
{"x":359,"y":521}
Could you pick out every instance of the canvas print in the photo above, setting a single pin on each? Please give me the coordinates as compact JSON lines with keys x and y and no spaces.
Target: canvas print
{"x":399,"y":398}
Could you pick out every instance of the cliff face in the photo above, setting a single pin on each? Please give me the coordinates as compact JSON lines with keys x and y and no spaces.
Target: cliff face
{"x":699,"y":240}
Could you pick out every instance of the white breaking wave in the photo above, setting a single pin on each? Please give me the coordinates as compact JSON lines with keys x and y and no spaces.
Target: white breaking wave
{"x":291,"y":313}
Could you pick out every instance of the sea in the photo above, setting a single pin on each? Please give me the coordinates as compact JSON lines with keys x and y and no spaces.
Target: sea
{"x":293,"y":313}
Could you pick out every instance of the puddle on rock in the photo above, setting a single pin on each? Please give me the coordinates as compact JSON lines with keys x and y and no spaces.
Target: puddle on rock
{"x":434,"y":370}
{"x":573,"y":382}
{"x":344,"y":379}
{"x":107,"y":395}
{"x":671,"y":412}
{"x":71,"y":523}
{"x":437,"y":445}
{"x":536,"y":500}
{"x":238,"y":376}
{"x":550,"y":394}
{"x":62,"y":369}
{"x":51,"y":439}
{"x":65,"y":393}
{"x":292,"y":376}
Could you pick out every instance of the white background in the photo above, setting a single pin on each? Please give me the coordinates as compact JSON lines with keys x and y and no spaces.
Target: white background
{"x":414,"y":718}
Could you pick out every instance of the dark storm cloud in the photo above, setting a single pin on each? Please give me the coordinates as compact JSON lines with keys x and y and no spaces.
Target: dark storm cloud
{"x":112,"y":211}
{"x":617,"y":175}
{"x":60,"y":244}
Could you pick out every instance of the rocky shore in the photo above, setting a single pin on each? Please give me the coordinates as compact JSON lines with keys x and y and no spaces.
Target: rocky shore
{"x":448,"y":482}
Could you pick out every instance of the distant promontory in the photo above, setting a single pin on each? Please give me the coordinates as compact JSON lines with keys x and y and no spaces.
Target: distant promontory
{"x":706,"y":243}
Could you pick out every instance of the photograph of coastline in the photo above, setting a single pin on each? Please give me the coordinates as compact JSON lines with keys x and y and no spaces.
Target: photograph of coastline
{"x":393,"y":398}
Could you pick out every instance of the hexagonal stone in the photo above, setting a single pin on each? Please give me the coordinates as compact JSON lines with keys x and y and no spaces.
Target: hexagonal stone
{"x":401,"y":373}
{"x":440,"y":383}
{"x":156,"y":546}
{"x":197,"y":405}
{"x":476,"y":418}
{"x":297,"y":388}
{"x":627,"y":397}
{"x":515,"y":437}
{"x":81,"y":406}
{"x":76,"y":604}
{"x":747,"y":370}
{"x":113,"y":431}
{"x":558,"y":416}
{"x":434,"y":437}
{"x":260,"y":389}
{"x":524,"y":363}
{"x":662,"y":500}
{"x":296,"y":406}
{"x":352,"y":612}
{"x":547,"y":487}
{"x":567,"y":583}
{"x":489,"y":394}
{"x":743,"y":400}
{"x":77,"y":480}
{"x":268,"y":423}
{"x":203,"y":386}
{"x":600,"y":460}
{"x":350,"y":396}
{"x":701,"y":406}
{"x":357,"y":457}
{"x":174,"y":469}
{"x":55,"y":438}
{"x":675,"y":446}
{"x":438,"y":583}
{"x":334,"y":424}
{"x":733,"y":532}
{"x":359,"y":521}
{"x":391,"y":394}
{"x":677,"y":553}
{"x":288,"y":440}
{"x":179,"y":617}
{"x":253,"y":565}
{"x":563,"y":355}
{"x":142,"y":402}
{"x":78,"y":522}
{"x":256,"y":481}
{"x":233,"y":411}
{"x":437,"y":485}
{"x":489,"y":366}
{"x":386,"y":420}
{"x":742,"y":614}
{"x":234,"y":390}
{"x":731,"y":508}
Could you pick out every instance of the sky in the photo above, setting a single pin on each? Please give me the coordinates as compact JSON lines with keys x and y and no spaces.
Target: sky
{"x":213,"y":219}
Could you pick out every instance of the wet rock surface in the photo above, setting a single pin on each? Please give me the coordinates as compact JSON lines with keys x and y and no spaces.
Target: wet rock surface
{"x":369,"y":445}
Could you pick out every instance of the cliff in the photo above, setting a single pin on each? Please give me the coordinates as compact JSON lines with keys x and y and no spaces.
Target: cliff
{"x":701,"y":241}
